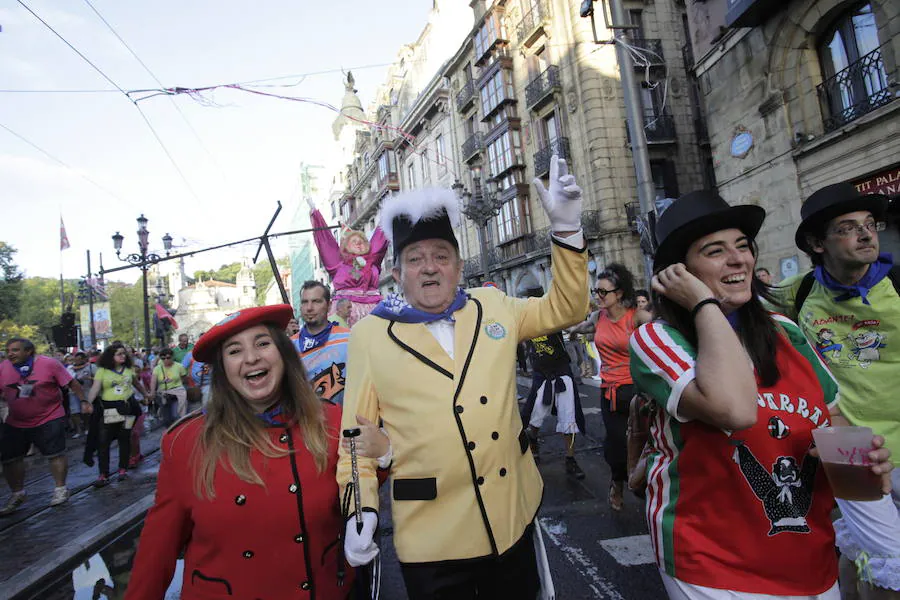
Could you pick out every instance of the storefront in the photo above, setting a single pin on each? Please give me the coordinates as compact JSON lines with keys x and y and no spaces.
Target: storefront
{"x":886,"y":182}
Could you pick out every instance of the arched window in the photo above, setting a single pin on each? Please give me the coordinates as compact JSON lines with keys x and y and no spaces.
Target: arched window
{"x":854,"y":79}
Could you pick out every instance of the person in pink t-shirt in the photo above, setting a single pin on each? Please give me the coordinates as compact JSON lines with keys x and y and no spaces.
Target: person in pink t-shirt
{"x":32,"y":387}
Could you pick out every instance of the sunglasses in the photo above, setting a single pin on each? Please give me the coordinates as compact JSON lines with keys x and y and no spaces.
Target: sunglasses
{"x":604,"y":293}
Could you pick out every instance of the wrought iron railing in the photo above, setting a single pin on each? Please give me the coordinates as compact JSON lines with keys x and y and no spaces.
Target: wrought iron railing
{"x":542,"y":86}
{"x":472,"y":145}
{"x":854,"y":91}
{"x":531,"y":22}
{"x":659,"y":128}
{"x":465,"y":96}
{"x":542,"y":157}
{"x":654,"y":50}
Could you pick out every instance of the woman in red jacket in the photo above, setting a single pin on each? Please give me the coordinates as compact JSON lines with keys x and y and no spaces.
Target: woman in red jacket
{"x":247,"y":489}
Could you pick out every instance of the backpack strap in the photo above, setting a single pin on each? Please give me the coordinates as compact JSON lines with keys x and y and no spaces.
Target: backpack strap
{"x":803,"y":291}
{"x":894,"y":276}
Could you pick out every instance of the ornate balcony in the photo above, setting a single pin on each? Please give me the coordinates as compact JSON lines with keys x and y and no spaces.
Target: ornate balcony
{"x":472,"y":146}
{"x":659,"y":128}
{"x":854,"y":91}
{"x":466,"y":96}
{"x":542,"y":157}
{"x":542,"y":87}
{"x":654,"y":51}
{"x":532,"y":24}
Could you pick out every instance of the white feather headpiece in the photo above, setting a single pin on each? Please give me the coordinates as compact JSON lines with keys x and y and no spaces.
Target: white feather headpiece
{"x":419,"y":205}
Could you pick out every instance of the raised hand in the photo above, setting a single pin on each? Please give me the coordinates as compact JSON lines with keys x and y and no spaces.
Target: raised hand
{"x":562,"y":202}
{"x":676,"y":283}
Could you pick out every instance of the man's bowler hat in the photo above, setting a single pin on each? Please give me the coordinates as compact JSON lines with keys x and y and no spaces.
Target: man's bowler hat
{"x":697,"y":214}
{"x":206,"y":347}
{"x":833,"y":201}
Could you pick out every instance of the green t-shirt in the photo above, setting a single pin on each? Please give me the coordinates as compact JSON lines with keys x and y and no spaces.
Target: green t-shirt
{"x":115,"y":386}
{"x":860,"y":343}
{"x":169,"y":378}
{"x":179,"y":353}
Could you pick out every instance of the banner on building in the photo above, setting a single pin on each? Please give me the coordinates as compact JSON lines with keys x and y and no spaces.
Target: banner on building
{"x":102,"y":323}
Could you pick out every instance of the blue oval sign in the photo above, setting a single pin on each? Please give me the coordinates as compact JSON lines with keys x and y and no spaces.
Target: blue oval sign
{"x":741,"y":144}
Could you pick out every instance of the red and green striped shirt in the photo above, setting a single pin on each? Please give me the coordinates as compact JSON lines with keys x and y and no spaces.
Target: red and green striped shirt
{"x":748,"y":510}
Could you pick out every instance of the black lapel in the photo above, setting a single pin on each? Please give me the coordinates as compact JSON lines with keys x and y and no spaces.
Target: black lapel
{"x":416,"y":353}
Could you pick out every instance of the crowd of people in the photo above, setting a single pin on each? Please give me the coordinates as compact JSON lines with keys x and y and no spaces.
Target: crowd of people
{"x":263,"y":492}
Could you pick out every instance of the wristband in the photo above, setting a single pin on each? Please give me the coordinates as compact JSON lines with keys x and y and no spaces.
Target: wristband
{"x":701,"y":304}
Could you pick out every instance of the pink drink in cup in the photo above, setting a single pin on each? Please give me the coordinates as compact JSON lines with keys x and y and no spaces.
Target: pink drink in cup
{"x":844,"y":452}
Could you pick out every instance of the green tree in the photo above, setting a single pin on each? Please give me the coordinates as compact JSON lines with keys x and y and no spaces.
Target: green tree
{"x":40,"y":304}
{"x":126,"y":312}
{"x":9,"y":329}
{"x":263,"y":276}
{"x":10,"y":282}
{"x":225,"y":273}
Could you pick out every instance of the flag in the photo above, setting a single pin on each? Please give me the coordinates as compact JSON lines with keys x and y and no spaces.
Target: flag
{"x":165,"y":315}
{"x":63,"y":238}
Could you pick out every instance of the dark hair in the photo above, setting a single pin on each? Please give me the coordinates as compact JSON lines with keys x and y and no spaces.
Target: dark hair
{"x":166,"y":352}
{"x":310,"y":284}
{"x":816,"y":229}
{"x":80,"y":354}
{"x":758,"y":269}
{"x":27,"y":345}
{"x":757,"y":330}
{"x":107,"y":360}
{"x":622,"y":279}
{"x":642,"y":292}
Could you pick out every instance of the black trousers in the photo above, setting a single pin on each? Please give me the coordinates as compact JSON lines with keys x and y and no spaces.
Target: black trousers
{"x":615,"y":447}
{"x":513,"y":575}
{"x":106,"y":434}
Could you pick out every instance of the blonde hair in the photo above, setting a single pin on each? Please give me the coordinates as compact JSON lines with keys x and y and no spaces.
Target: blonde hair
{"x":231,"y":430}
{"x":345,"y":239}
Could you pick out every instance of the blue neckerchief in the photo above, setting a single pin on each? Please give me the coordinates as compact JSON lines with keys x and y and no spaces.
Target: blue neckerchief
{"x":395,"y":308}
{"x":25,"y":367}
{"x":877,"y":271}
{"x":308,"y":342}
{"x":273,"y":417}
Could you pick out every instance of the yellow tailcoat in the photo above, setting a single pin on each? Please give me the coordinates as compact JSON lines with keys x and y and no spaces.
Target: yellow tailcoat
{"x":464,"y":484}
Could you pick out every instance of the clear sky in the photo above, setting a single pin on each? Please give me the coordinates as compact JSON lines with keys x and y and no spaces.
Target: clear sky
{"x":239,"y":153}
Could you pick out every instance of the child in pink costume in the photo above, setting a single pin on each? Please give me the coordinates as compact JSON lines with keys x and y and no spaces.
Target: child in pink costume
{"x":354,"y":266}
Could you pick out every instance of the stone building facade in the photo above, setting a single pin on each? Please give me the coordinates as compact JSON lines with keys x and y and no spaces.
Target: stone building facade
{"x":799,"y":94}
{"x":530,"y":81}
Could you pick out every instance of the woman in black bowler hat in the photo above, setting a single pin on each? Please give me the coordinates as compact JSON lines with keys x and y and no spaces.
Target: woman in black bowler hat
{"x":247,"y":488}
{"x":737,"y":505}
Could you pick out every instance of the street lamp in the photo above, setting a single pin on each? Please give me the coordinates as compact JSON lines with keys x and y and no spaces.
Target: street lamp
{"x":142,"y":260}
{"x":480,"y":207}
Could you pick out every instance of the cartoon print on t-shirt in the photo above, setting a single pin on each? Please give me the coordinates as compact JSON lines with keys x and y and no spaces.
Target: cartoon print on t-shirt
{"x":786,"y":493}
{"x":865,"y":346}
{"x":826,"y":343}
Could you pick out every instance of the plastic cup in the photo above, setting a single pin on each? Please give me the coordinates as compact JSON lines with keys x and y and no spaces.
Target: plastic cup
{"x":844,"y":452}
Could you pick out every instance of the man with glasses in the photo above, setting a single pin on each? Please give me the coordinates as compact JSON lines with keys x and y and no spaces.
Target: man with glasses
{"x":850,"y":302}
{"x":169,"y":378}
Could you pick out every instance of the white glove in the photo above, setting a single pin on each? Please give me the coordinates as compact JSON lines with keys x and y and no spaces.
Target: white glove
{"x":359,"y":548}
{"x":562,"y":202}
{"x":311,"y":203}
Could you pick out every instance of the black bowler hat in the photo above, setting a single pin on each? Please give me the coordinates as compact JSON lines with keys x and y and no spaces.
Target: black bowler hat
{"x":424,"y":214}
{"x":697,"y":214}
{"x":833,"y":201}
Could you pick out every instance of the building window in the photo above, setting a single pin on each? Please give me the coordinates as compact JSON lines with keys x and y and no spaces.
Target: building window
{"x":491,"y":31}
{"x":512,"y":222}
{"x":383,"y":167}
{"x":855,"y":80}
{"x":366,"y":159}
{"x":440,"y":152}
{"x":497,"y":89}
{"x":426,"y":172}
{"x":411,"y":175}
{"x":504,"y":152}
{"x":665,"y":181}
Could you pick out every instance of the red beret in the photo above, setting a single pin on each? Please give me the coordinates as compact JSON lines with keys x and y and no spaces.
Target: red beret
{"x":277,"y":314}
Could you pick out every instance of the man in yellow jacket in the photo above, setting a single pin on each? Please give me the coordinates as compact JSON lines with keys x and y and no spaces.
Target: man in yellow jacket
{"x":437,"y":366}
